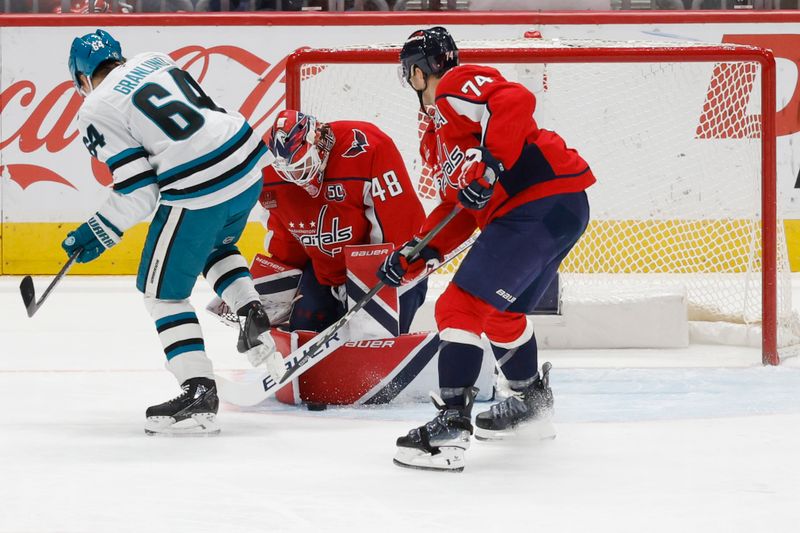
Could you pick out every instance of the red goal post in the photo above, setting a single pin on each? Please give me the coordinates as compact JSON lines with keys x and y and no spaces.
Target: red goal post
{"x":740,"y":71}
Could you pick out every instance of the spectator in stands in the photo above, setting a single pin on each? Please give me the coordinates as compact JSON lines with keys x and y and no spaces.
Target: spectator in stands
{"x":85,"y":6}
{"x":261,"y":5}
{"x":122,"y":6}
{"x":155,"y":6}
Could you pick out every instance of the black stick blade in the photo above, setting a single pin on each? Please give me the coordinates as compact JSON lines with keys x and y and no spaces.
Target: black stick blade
{"x":28,"y":295}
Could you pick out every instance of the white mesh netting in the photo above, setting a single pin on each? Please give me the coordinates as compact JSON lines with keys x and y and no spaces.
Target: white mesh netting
{"x":676,"y":148}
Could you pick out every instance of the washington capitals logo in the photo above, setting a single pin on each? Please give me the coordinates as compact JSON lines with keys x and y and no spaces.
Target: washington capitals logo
{"x":359,"y":144}
{"x":325,"y":241}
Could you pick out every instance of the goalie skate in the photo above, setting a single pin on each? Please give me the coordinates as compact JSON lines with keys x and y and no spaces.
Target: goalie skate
{"x":440,"y":444}
{"x":193,"y":412}
{"x":527,"y":413}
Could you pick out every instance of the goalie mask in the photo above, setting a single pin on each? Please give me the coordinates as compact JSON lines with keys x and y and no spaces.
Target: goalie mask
{"x":301,"y":147}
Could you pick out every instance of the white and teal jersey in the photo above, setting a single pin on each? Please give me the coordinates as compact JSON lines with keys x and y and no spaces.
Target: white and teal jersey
{"x":166,"y":141}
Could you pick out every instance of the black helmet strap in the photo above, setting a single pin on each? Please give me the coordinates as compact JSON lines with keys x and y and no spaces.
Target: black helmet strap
{"x":420,"y":91}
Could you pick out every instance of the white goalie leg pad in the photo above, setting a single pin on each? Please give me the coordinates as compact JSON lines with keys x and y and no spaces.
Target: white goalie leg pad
{"x":277,"y":285}
{"x":223,"y":312}
{"x":448,"y":459}
{"x":200,"y":424}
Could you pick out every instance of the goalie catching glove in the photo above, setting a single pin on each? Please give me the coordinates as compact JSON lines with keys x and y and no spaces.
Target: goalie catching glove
{"x":399,"y":269}
{"x":479,"y":173}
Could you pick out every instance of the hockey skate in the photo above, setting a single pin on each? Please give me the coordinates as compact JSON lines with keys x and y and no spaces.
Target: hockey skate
{"x":257,"y":343}
{"x":531,"y":407}
{"x":193,"y":412}
{"x":440,"y":444}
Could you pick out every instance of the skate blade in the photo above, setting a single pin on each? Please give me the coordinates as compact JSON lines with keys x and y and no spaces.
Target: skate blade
{"x":449,"y":459}
{"x":199,"y":425}
{"x":535,"y":430}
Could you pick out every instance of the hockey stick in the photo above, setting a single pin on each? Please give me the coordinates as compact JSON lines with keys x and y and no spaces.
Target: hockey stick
{"x":324,"y":343}
{"x":253,"y":392}
{"x":28,"y":292}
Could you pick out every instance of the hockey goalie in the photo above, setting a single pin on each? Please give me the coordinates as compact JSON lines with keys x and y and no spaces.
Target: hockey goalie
{"x":337,"y":193}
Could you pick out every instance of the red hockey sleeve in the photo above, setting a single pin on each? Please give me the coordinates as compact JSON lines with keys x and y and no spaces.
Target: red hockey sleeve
{"x":392,"y":206}
{"x":497,"y":112}
{"x":281,"y":244}
{"x":454,"y":233}
{"x":509,"y":122}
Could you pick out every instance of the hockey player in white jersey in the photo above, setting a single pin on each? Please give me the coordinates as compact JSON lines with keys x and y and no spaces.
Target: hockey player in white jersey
{"x":171,"y":149}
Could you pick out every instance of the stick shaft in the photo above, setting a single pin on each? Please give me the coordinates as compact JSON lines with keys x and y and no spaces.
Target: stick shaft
{"x":34,"y":304}
{"x":324,"y":337}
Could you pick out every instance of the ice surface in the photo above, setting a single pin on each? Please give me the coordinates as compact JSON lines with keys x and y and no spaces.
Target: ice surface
{"x":697,"y":440}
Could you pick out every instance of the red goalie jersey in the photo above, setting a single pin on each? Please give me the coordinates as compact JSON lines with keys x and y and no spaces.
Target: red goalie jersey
{"x":366,"y":198}
{"x":476,"y":106}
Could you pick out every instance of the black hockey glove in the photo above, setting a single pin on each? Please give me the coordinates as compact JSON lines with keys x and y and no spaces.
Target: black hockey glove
{"x":479,"y":173}
{"x":398,"y":268}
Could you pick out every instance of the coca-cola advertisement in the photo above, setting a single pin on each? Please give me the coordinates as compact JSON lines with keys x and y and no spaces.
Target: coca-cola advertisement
{"x":47,"y":179}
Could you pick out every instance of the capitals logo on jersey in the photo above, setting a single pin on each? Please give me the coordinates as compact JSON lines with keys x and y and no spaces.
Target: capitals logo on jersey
{"x":324,"y":240}
{"x":450,"y":162}
{"x":436,"y":116}
{"x":359,"y":145}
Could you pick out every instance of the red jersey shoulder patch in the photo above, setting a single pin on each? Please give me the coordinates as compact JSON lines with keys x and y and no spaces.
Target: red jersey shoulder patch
{"x":358,"y":146}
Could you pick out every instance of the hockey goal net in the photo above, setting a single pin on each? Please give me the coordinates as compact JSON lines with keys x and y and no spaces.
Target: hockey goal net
{"x":680,"y":136}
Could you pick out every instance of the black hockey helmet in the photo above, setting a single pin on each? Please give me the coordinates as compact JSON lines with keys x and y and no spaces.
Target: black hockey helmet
{"x":432,"y":50}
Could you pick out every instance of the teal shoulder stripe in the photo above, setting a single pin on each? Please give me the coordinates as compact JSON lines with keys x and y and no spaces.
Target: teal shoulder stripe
{"x":169,"y":195}
{"x":211,"y":155}
{"x":113,"y":160}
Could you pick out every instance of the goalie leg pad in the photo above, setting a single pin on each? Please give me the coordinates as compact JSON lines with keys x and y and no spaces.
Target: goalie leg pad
{"x":277,"y":285}
{"x":222,"y":312}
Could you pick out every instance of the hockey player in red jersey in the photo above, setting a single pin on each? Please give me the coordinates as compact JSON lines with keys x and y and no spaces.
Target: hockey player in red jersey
{"x":330,"y":186}
{"x":524,"y":189}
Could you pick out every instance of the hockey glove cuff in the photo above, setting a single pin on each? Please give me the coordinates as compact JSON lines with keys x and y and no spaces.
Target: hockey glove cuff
{"x":399,"y":269}
{"x":94,"y":236}
{"x":479,"y":173}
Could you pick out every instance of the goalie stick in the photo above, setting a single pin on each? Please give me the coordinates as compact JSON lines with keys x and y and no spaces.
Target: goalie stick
{"x":251,"y":393}
{"x":28,"y":292}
